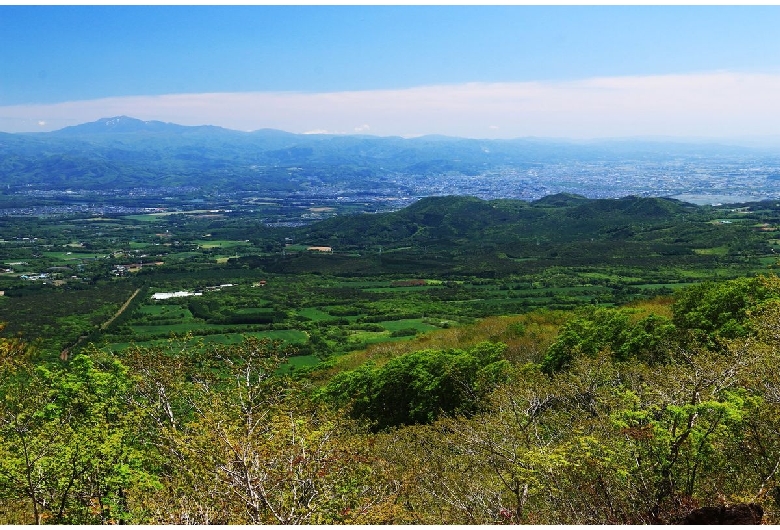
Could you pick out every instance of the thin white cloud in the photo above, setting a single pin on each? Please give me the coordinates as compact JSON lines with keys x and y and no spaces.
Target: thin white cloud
{"x":718,"y":104}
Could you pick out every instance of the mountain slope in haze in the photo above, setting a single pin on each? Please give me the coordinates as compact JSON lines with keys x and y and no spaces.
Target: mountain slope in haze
{"x":123,"y":152}
{"x":119,"y":125}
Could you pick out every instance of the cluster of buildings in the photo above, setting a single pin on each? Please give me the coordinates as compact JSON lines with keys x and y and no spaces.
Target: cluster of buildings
{"x":181,"y":294}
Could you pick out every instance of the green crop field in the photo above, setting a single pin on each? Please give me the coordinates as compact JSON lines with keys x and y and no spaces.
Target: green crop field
{"x":416,"y":323}
{"x":313,"y":313}
{"x":289,"y":336}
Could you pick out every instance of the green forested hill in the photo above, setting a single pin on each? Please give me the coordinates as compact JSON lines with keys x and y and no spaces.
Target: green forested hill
{"x":446,"y":221}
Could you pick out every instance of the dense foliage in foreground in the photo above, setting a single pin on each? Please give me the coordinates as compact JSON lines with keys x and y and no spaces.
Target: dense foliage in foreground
{"x":621,"y":415}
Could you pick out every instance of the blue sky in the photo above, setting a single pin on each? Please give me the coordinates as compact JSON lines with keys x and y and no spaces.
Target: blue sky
{"x":500,"y":71}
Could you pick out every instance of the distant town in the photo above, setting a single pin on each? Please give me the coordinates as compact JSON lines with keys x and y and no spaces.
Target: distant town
{"x":701,"y":182}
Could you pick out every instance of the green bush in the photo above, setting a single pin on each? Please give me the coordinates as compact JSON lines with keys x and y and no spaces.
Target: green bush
{"x":418,"y":387}
{"x":599,"y":328}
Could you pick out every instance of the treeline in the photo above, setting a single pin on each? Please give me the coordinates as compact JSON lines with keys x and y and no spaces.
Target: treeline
{"x":629,"y":415}
{"x":212,"y":312}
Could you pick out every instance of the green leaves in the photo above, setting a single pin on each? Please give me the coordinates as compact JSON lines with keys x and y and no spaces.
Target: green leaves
{"x":599,"y":328}
{"x":66,"y":438}
{"x":418,"y":387}
{"x":714,"y":311}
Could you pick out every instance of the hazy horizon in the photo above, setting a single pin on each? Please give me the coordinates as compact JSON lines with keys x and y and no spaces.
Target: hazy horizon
{"x":746,"y":141}
{"x":494,"y":72}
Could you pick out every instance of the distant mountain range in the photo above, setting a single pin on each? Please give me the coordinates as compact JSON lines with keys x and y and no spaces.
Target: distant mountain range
{"x":123,"y":152}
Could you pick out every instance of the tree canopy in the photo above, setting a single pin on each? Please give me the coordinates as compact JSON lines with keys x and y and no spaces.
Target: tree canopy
{"x":629,"y":415}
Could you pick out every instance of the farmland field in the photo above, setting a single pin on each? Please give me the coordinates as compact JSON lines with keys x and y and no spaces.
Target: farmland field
{"x":260,"y":281}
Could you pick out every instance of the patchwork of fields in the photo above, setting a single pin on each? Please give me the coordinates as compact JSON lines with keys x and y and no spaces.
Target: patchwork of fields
{"x":265,"y":282}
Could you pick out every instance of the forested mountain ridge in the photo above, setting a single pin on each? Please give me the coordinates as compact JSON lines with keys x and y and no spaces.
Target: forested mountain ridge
{"x":451,"y":219}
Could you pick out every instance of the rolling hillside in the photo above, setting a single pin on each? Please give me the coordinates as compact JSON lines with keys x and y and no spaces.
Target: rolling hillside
{"x":449,"y":220}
